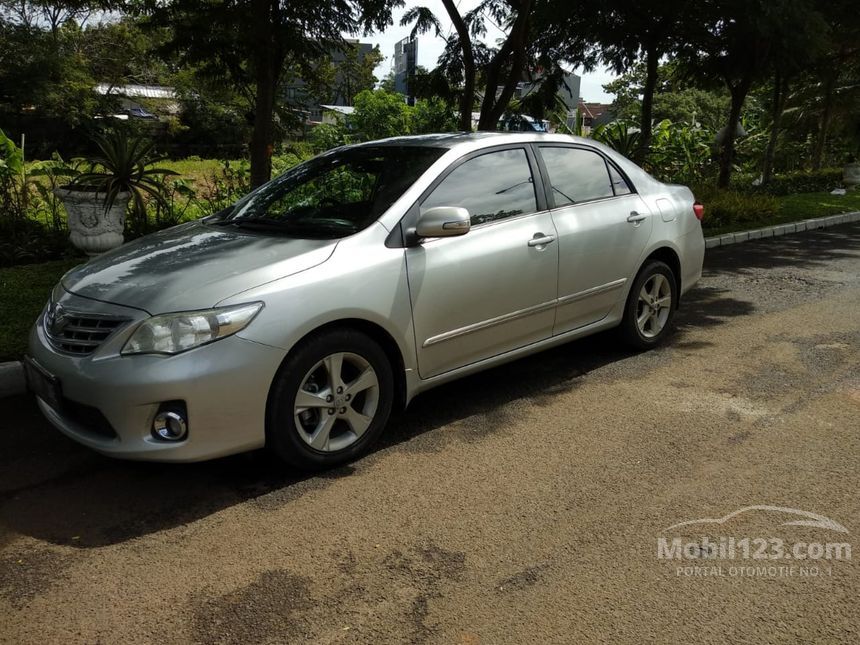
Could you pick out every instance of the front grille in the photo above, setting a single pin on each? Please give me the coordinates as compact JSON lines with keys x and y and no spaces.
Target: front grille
{"x":78,"y":333}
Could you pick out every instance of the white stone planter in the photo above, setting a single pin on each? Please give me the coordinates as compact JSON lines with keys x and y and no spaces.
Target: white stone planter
{"x":94,"y":230}
{"x":851,"y":175}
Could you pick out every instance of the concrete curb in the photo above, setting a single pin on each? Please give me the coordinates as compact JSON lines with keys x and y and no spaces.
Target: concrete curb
{"x":781,"y":229}
{"x":13,"y":381}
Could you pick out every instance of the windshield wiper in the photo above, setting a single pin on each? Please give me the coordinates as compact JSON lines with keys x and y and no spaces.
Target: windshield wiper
{"x":253,"y":221}
{"x":300,"y":228}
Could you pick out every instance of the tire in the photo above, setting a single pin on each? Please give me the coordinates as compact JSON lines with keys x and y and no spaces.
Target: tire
{"x":657,"y":322}
{"x":333,"y":427}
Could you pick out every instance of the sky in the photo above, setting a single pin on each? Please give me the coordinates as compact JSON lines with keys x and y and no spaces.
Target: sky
{"x":430,"y":47}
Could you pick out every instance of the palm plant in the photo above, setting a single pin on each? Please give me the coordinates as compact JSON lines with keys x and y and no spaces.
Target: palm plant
{"x":123,"y":165}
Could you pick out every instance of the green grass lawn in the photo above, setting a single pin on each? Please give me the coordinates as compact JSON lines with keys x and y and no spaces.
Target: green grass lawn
{"x":790,"y":208}
{"x":198,"y":172}
{"x":808,"y":205}
{"x":24,"y":290}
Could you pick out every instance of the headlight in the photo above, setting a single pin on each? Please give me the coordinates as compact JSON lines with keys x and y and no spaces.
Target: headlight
{"x":174,"y":333}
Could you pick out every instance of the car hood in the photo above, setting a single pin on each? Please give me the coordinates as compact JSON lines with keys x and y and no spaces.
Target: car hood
{"x":192,"y":266}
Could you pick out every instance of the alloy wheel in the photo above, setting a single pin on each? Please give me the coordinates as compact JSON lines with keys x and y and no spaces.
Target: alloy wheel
{"x":654,"y":305}
{"x":336,"y":402}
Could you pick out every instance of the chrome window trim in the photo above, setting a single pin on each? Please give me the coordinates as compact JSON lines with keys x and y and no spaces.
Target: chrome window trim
{"x":486,"y":225}
{"x":596,"y":200}
{"x":538,"y":145}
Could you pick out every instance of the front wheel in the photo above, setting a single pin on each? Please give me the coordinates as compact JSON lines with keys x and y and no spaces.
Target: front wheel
{"x":330,"y":400}
{"x":650,"y":307}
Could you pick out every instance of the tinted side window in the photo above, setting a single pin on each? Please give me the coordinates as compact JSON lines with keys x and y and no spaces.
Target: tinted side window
{"x":619,"y":184}
{"x":576,"y":175}
{"x":491,"y":187}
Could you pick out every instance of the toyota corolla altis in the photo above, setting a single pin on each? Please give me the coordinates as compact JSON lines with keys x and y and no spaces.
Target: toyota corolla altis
{"x":302,"y":315}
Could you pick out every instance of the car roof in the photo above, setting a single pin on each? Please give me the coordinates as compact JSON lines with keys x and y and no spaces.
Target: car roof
{"x":460,"y":143}
{"x":474,"y":140}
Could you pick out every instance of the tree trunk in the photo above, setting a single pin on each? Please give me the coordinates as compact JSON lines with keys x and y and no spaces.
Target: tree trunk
{"x":467,"y":98}
{"x":262,"y":138}
{"x":824,"y":122}
{"x":492,"y":108}
{"x":266,"y":73}
{"x":780,"y":90}
{"x":727,"y":146}
{"x":652,"y":58}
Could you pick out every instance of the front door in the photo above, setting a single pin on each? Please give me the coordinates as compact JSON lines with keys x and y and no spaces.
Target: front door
{"x":493,"y":289}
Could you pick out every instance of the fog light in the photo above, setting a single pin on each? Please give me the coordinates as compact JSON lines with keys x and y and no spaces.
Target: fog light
{"x":169,"y":425}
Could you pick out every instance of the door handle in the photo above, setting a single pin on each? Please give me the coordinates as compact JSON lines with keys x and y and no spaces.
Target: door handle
{"x":541,"y":240}
{"x":635,"y":217}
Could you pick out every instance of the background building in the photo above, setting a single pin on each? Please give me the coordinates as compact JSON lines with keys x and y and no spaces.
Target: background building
{"x":300,"y":97}
{"x":405,"y":64}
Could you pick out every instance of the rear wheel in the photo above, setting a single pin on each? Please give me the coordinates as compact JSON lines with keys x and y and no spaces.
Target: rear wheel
{"x":330,"y":400}
{"x":650,"y":307}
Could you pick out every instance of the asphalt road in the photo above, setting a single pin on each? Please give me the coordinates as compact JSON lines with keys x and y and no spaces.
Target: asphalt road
{"x":524,"y":504}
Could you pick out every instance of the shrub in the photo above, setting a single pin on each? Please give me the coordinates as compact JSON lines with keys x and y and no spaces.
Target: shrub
{"x":433,"y":115}
{"x":727,"y":208}
{"x":621,"y":136}
{"x":30,"y":242}
{"x":380,"y":114}
{"x":680,"y":152}
{"x":231,"y":183}
{"x":12,"y":194}
{"x":327,"y":136}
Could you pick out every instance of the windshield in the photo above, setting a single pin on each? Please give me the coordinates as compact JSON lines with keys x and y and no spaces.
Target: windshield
{"x":333,"y":195}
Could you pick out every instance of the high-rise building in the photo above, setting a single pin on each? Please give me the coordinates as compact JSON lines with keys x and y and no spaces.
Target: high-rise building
{"x":405,"y":64}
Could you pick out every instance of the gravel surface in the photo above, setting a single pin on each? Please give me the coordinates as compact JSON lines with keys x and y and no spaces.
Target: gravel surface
{"x":523,"y":504}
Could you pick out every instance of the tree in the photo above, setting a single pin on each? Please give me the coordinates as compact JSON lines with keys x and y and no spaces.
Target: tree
{"x":354,"y":73}
{"x":840,"y":53}
{"x":37,"y":14}
{"x":735,"y":45}
{"x":632,"y":31}
{"x":674,"y":99}
{"x":250,"y":41}
{"x":380,"y":114}
{"x":46,"y":85}
{"x":119,"y":52}
{"x":502,"y":69}
{"x":432,"y":115}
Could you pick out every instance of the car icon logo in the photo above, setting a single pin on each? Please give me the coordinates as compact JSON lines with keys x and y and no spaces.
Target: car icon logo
{"x":56,"y":319}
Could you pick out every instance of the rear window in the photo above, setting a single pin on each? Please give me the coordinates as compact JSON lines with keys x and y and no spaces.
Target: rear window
{"x":576,"y":175}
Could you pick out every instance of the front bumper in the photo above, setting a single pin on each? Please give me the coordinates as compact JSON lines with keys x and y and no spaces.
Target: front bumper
{"x":224,"y":385}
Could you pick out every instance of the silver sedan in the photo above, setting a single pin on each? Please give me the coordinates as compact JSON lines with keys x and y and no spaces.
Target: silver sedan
{"x":302,"y":315}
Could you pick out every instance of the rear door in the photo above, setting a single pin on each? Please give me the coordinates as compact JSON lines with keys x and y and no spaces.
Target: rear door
{"x":603,"y":228}
{"x":493,"y":289}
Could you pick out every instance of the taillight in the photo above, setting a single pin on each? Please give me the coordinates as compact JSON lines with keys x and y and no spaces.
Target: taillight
{"x":699,"y":210}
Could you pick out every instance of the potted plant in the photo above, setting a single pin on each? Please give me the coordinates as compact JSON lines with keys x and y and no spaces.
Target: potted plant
{"x":96,"y":200}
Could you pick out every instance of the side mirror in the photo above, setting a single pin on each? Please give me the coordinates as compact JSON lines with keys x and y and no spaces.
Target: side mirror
{"x":443,"y":221}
